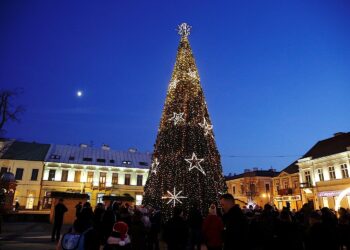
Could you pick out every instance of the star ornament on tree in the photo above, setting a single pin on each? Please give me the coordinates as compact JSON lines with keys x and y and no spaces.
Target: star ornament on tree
{"x":174,"y":197}
{"x":193,"y":74}
{"x":184,"y":30}
{"x":154,"y":166}
{"x":206,"y":126}
{"x":195,"y":163}
{"x":173,"y":84}
{"x":177,"y":117}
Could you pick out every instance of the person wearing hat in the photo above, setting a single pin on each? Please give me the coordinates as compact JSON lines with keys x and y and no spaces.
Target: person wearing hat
{"x":119,"y":238}
{"x":212,"y":229}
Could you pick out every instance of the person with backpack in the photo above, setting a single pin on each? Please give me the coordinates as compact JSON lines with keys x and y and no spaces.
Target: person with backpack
{"x":74,"y":240}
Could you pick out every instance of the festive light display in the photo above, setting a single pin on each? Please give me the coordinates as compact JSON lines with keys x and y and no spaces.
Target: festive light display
{"x":184,"y":156}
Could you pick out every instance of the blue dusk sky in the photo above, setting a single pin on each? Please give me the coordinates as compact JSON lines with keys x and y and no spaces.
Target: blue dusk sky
{"x":275,"y":74}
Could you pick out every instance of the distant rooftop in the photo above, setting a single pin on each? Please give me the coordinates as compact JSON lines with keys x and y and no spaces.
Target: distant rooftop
{"x":30,"y":151}
{"x":291,"y":169}
{"x":104,"y":156}
{"x":334,"y":145}
{"x":252,"y":173}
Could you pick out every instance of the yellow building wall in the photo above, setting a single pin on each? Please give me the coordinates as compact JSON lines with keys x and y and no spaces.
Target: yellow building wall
{"x":27,"y":191}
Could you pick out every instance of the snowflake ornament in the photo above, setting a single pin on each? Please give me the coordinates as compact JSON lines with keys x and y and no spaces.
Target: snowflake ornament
{"x":177,"y":117}
{"x":206,"y":126}
{"x":174,"y":197}
{"x":195,"y":163}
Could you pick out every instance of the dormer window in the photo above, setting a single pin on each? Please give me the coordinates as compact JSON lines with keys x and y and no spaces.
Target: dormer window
{"x":87,"y":159}
{"x":127,"y":162}
{"x":54,"y":156}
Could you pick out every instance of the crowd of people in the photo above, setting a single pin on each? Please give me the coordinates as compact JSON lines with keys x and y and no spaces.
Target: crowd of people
{"x":120,"y":226}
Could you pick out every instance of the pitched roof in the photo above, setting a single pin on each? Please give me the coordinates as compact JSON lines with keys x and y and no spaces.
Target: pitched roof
{"x":336,"y":144}
{"x":30,"y":151}
{"x":291,"y":169}
{"x":98,"y":156}
{"x":261,"y":173}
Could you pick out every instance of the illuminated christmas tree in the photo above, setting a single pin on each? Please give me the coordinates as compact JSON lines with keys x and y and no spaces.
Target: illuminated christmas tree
{"x":186,"y":169}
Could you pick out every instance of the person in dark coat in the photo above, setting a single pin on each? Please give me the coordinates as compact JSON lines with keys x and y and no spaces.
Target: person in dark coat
{"x":86,"y":215}
{"x":78,"y":208}
{"x":195,"y":221}
{"x":60,"y":209}
{"x":137,"y":232}
{"x":176,"y":231}
{"x":235,"y":232}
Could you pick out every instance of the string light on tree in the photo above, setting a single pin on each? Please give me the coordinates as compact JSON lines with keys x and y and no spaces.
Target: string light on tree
{"x":195,"y":163}
{"x":173,"y":197}
{"x":206,"y":126}
{"x":177,"y":118}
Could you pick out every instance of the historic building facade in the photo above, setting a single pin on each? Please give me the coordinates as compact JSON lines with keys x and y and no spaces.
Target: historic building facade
{"x":95,"y":171}
{"x":286,"y":188}
{"x":253,"y":187}
{"x":324,"y":173}
{"x":26,"y":161}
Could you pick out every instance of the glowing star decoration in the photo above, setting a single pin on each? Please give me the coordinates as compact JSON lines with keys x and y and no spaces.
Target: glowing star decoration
{"x":206,"y":126}
{"x":195,"y":163}
{"x":154,"y":167}
{"x":173,"y":84}
{"x":177,"y":117}
{"x":174,"y":197}
{"x":184,"y":30}
{"x":193,"y":74}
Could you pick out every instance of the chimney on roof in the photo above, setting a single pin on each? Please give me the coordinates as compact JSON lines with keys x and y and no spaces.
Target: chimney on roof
{"x":132,"y":150}
{"x":338,"y":133}
{"x":247,"y":170}
{"x":82,"y":145}
{"x":105,"y":147}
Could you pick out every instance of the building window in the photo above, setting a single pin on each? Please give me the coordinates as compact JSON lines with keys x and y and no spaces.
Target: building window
{"x":127,"y":179}
{"x":90,"y":177}
{"x":285,"y":184}
{"x":101,"y":160}
{"x":115,"y":179}
{"x":296,"y":184}
{"x":111,"y":161}
{"x":307,"y":177}
{"x":242,"y":188}
{"x":267,"y":187}
{"x":320,"y":174}
{"x":233,"y":189}
{"x":139,"y":180}
{"x":102,"y":180}
{"x":77,"y":175}
{"x":331,"y":173}
{"x":87,"y":159}
{"x":99,"y":198}
{"x":252,"y":188}
{"x":34,"y":176}
{"x":71,"y":158}
{"x":64,"y":175}
{"x":52,"y":173}
{"x":344,"y":171}
{"x":127,"y":162}
{"x":19,"y":173}
{"x":143,"y":163}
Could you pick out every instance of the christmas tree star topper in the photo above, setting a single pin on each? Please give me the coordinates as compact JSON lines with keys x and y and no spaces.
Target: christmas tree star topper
{"x":173,"y":197}
{"x":184,"y":30}
{"x":195,"y":163}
